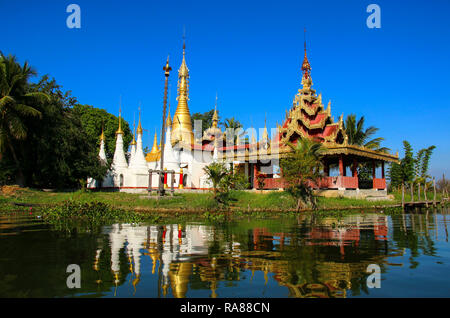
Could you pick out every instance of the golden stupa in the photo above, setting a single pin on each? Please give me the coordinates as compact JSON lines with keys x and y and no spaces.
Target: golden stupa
{"x":181,"y":124}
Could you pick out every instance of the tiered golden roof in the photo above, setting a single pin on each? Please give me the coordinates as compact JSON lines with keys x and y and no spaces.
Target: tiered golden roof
{"x":308,"y":117}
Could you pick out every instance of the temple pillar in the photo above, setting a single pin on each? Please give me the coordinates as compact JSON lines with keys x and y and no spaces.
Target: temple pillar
{"x":373,"y":175}
{"x":255,"y":171}
{"x":355,"y":168}
{"x":341,"y":185}
{"x":165,"y":178}
{"x":341,"y":166}
{"x":180,"y":185}
{"x":382,"y":169}
{"x":373,"y":169}
{"x":150,"y":174}
{"x":355,"y":174}
{"x":326,"y":169}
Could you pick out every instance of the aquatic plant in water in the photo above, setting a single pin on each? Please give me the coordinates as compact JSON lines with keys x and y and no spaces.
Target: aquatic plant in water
{"x":73,"y":213}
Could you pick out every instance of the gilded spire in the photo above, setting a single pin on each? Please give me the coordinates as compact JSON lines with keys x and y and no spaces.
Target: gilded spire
{"x":306,"y":67}
{"x":169,"y":120}
{"x":253,"y":140}
{"x":265,"y":135}
{"x":215,"y":118}
{"x":134,"y":134}
{"x":155,"y":153}
{"x":182,"y":127}
{"x":183,"y":71}
{"x":102,"y":136}
{"x":139,"y":130}
{"x":119,"y":130}
{"x":155,"y":148}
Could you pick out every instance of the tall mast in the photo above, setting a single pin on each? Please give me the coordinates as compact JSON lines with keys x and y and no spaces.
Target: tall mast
{"x":167,"y":70}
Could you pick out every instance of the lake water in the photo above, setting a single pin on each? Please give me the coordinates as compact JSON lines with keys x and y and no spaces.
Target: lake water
{"x":304,"y":256}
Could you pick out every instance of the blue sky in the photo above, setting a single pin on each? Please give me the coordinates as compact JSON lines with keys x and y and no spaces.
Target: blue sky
{"x":250,"y":53}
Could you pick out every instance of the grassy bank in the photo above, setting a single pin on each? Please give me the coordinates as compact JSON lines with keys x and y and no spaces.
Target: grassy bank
{"x":185,"y":202}
{"x":87,"y":211}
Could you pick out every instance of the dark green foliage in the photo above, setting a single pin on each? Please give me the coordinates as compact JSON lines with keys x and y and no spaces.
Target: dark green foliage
{"x":422,"y":162}
{"x":43,"y":141}
{"x":402,"y":172}
{"x":223,"y":180}
{"x":89,"y":215}
{"x":411,"y":169}
{"x":92,"y":120}
{"x":206,"y":119}
{"x":17,"y":103}
{"x":301,"y":169}
{"x":58,"y":152}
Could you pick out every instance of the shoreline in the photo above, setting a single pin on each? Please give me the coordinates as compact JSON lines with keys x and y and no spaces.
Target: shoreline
{"x":189,"y":203}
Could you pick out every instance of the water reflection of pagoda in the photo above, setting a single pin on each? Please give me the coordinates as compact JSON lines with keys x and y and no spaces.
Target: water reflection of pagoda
{"x":318,"y":259}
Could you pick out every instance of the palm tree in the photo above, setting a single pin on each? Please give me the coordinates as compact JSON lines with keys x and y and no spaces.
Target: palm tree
{"x":215,"y":173}
{"x":15,"y":101}
{"x":359,"y":136}
{"x":236,"y":126}
{"x":301,"y":169}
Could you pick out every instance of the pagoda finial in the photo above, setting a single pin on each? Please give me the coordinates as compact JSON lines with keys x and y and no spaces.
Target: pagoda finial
{"x":182,"y":112}
{"x":306,"y":67}
{"x":215,"y":118}
{"x":134,"y":132}
{"x":119,"y":130}
{"x":169,"y":120}
{"x":155,"y":144}
{"x":139,"y":128}
{"x":102,"y":136}
{"x":253,"y":140}
{"x":265,"y":135}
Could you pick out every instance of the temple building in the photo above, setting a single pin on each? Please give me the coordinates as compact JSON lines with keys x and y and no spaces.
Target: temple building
{"x":187,"y":154}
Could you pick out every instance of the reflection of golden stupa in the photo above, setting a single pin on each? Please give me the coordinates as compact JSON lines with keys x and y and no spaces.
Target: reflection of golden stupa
{"x":154,"y":255}
{"x":179,"y":278}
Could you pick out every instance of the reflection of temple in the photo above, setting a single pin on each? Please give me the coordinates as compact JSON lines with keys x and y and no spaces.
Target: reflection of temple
{"x":170,"y":245}
{"x":318,"y":259}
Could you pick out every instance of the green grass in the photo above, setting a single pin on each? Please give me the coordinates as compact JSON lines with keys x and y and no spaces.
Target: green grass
{"x":185,"y":202}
